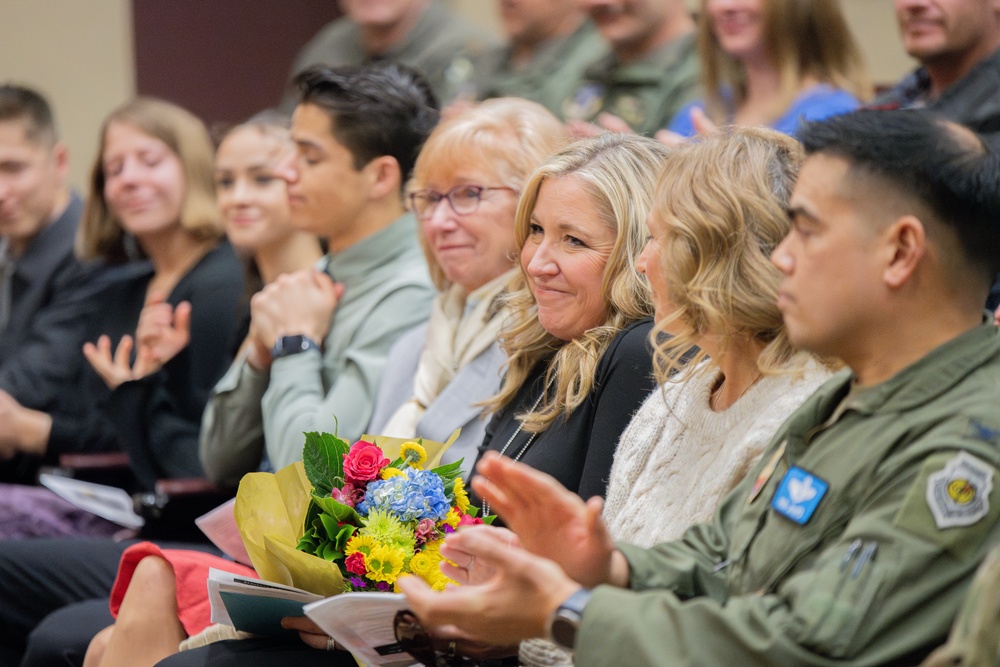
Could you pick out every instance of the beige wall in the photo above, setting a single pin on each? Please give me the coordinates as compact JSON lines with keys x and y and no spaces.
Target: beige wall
{"x":79,"y":54}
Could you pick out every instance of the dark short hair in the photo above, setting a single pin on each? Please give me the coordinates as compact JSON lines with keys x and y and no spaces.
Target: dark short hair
{"x":383,"y":109}
{"x":955,"y":178}
{"x":25,"y":104}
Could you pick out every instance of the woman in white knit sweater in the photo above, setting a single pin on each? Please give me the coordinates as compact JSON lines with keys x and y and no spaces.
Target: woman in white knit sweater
{"x":719,"y":211}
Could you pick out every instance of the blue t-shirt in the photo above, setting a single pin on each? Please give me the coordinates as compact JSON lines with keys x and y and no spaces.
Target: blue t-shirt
{"x":820,"y":101}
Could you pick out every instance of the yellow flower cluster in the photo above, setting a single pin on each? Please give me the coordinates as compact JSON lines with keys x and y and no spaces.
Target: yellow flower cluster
{"x":384,"y":562}
{"x":426,"y":564}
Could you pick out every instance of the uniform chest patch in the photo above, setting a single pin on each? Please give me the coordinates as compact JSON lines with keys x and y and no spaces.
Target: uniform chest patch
{"x":799,"y":495}
{"x":959,"y":494}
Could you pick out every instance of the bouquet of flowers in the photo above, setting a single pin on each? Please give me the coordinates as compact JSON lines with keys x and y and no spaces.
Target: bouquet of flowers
{"x":376,"y":518}
{"x":353,"y":517}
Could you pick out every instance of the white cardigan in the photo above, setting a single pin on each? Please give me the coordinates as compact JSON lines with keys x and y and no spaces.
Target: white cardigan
{"x":678,"y":458}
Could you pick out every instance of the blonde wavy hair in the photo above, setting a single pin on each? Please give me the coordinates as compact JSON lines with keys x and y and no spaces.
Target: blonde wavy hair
{"x":505,"y":137}
{"x":618,"y":172}
{"x":100,"y":235}
{"x":804,"y":38}
{"x":724,"y":200}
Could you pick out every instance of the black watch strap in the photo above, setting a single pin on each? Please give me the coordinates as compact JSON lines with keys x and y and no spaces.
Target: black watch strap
{"x":565,"y":621}
{"x":288,"y":345}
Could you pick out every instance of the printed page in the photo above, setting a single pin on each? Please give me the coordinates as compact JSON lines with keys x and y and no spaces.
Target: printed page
{"x":362,"y":623}
{"x":108,"y":502}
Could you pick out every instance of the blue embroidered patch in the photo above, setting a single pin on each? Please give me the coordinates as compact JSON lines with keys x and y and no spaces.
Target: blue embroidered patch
{"x":798,"y":495}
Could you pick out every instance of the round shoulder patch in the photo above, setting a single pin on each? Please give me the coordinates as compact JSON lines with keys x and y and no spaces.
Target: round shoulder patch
{"x":959,"y":493}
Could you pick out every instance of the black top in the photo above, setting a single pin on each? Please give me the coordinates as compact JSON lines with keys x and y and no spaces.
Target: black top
{"x":579,"y":451}
{"x":155,"y":420}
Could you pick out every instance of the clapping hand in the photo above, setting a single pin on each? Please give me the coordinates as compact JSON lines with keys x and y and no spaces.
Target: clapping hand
{"x":513,"y":604}
{"x":114,"y":368}
{"x":549,"y":520}
{"x":163,"y":330}
{"x":22,"y":429}
{"x":300,"y":303}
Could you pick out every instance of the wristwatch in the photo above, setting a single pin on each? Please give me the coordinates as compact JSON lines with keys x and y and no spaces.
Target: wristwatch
{"x":286,"y":346}
{"x":565,"y":621}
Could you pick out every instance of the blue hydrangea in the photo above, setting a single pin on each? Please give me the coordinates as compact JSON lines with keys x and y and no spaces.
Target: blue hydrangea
{"x":413,"y":496}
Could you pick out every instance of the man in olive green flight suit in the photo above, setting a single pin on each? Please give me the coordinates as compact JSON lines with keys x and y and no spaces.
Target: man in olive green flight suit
{"x":650,"y":72}
{"x":424,"y":34}
{"x":549,"y":45}
{"x":854,"y":539}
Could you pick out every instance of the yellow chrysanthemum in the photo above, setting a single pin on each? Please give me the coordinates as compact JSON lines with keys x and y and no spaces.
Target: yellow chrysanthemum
{"x":362,"y":543}
{"x":385,"y":563}
{"x":413,"y":453}
{"x":453,"y":518}
{"x":388,"y":472}
{"x":423,"y":564}
{"x":434,"y":547}
{"x":461,"y":496}
{"x":441,"y":582}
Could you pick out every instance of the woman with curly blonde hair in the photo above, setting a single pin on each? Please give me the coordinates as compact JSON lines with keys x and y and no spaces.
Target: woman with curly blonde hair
{"x":579,"y":364}
{"x":719,"y":211}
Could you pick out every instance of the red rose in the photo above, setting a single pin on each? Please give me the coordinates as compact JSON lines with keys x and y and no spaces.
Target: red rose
{"x":355,"y":563}
{"x":363,"y":462}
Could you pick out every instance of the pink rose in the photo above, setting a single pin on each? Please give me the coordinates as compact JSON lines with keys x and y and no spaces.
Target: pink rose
{"x":363,"y":462}
{"x":466,"y":520}
{"x":355,"y":563}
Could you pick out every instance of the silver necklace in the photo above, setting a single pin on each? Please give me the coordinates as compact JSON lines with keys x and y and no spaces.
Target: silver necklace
{"x":520,"y":425}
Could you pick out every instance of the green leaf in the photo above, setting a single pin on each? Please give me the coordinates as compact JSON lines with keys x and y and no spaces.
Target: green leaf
{"x":323,"y":460}
{"x":449,"y":472}
{"x":344,"y":536}
{"x":330,"y":526}
{"x":338,"y":510}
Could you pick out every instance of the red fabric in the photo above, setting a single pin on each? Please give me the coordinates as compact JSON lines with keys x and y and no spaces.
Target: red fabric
{"x":191,"y":575}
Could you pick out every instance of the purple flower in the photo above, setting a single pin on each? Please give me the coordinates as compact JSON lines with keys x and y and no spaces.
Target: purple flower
{"x":357,"y":583}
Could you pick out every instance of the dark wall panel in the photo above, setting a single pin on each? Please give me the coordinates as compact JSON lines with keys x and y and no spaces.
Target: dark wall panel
{"x":222,"y":59}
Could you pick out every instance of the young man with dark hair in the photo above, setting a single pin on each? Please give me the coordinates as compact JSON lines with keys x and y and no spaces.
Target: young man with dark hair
{"x":44,"y":290}
{"x":854,"y":539}
{"x":320,"y":338}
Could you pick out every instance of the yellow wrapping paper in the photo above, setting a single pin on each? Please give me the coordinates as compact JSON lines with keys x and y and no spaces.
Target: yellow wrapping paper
{"x":270,"y":512}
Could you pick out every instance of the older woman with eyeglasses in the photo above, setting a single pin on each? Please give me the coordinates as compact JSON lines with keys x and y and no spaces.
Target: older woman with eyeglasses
{"x":464,"y":193}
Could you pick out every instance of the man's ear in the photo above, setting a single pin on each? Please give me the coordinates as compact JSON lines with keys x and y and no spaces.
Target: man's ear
{"x":384,"y":177}
{"x":60,"y":158}
{"x":907,"y":244}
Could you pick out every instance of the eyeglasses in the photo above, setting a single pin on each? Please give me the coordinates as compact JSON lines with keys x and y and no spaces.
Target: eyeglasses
{"x":463,"y":200}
